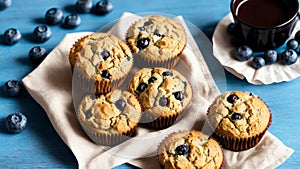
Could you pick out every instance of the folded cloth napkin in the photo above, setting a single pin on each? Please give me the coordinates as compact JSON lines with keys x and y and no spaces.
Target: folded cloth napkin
{"x":224,"y":52}
{"x":50,"y":84}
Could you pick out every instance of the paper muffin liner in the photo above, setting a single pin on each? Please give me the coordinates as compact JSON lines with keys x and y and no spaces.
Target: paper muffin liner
{"x":160,"y":122}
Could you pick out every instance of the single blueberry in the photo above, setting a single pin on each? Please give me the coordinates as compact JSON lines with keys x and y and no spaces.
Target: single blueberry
{"x":270,"y":57}
{"x":88,"y":114}
{"x":141,"y":87}
{"x":12,"y":36}
{"x":105,"y":74}
{"x":120,"y":104}
{"x":231,"y":98}
{"x":243,"y":53}
{"x":15,"y":122}
{"x":42,"y":33}
{"x":105,"y":54}
{"x":258,"y":62}
{"x":37,"y":54}
{"x":231,"y":28}
{"x":83,"y":6}
{"x":178,"y":95}
{"x":288,"y":57}
{"x":5,"y":4}
{"x":292,"y":44}
{"x":143,"y":43}
{"x":72,"y":21}
{"x":182,"y":150}
{"x":236,"y":116}
{"x":163,"y":101}
{"x":152,"y":79}
{"x":54,"y":16}
{"x":167,"y":73}
{"x":12,"y":88}
{"x":103,"y":7}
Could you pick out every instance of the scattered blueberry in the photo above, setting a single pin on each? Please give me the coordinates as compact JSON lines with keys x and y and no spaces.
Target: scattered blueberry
{"x":231,"y":98}
{"x":15,"y":122}
{"x":163,"y":101}
{"x":143,"y":43}
{"x":103,"y":7}
{"x":258,"y":62}
{"x":270,"y":57}
{"x":288,"y":57}
{"x":231,"y":28}
{"x":178,"y":95}
{"x":167,"y":73}
{"x":120,"y":104}
{"x":243,"y":53}
{"x":37,"y":54}
{"x":5,"y":4}
{"x":54,"y":16}
{"x":182,"y":150}
{"x":105,"y":74}
{"x":141,"y":87}
{"x":42,"y":33}
{"x":72,"y":21}
{"x":292,"y":44}
{"x":12,"y":88}
{"x":105,"y":54}
{"x":83,"y":6}
{"x":152,"y":79}
{"x":236,"y":116}
{"x":12,"y":36}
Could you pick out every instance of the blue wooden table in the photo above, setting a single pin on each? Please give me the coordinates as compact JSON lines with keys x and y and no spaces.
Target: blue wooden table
{"x":39,"y":146}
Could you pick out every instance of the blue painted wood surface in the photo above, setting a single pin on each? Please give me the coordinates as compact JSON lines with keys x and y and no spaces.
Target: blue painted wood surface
{"x":39,"y":146}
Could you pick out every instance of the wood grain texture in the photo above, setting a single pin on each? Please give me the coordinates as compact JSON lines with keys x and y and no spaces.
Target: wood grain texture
{"x":39,"y":146}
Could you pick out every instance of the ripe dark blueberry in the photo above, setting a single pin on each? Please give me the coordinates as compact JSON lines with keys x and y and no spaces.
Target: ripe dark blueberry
{"x":258,"y":62}
{"x":12,"y":88}
{"x":288,"y":57}
{"x":72,"y":21}
{"x":54,"y":16}
{"x":163,"y":101}
{"x":148,"y":23}
{"x":120,"y":104}
{"x":178,"y":95}
{"x":15,"y":122}
{"x":297,"y":36}
{"x":152,"y":79}
{"x":105,"y":54}
{"x":37,"y":54}
{"x":88,"y":114}
{"x":141,"y":87}
{"x":83,"y":6}
{"x":292,"y":44}
{"x":42,"y":33}
{"x":143,"y":43}
{"x":105,"y":74}
{"x":5,"y":4}
{"x":270,"y":57}
{"x":182,"y":150}
{"x":12,"y":36}
{"x":103,"y":7}
{"x":231,"y":98}
{"x":236,"y":116}
{"x":231,"y":28}
{"x":167,"y":73}
{"x":243,"y":53}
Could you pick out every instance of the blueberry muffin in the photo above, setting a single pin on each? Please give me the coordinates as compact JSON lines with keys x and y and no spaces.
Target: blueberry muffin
{"x":111,"y":118}
{"x":163,"y":94}
{"x":100,"y":62}
{"x":239,"y":119}
{"x":158,"y":41}
{"x":190,"y":149}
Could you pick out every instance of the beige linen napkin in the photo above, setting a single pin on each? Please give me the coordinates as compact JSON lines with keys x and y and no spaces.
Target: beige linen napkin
{"x":268,"y":74}
{"x":50,"y":85}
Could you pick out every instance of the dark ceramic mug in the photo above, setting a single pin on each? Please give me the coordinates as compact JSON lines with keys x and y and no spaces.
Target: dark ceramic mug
{"x":264,"y":24}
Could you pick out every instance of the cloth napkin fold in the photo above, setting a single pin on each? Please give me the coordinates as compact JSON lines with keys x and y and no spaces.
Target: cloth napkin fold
{"x":50,"y":84}
{"x":224,"y":52}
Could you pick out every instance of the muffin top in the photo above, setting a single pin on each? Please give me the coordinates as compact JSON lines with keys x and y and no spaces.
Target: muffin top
{"x":115,"y":112}
{"x":190,"y":149}
{"x":161,"y":91}
{"x":239,"y":114}
{"x":101,"y":56}
{"x":156,"y":38}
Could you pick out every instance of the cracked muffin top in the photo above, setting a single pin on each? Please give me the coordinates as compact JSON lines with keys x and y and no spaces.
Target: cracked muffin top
{"x":101,"y":56}
{"x":156,"y":38}
{"x":239,"y":114}
{"x":116,"y":112}
{"x":190,"y":149}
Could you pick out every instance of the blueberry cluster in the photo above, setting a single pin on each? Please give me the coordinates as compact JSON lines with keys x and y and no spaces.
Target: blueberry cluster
{"x":286,"y":57}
